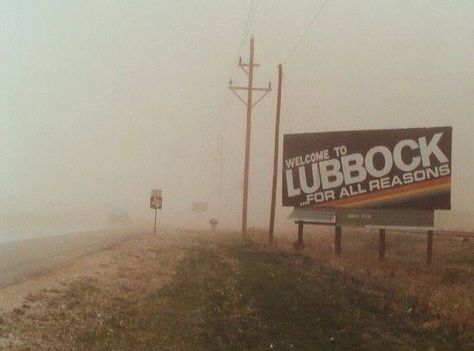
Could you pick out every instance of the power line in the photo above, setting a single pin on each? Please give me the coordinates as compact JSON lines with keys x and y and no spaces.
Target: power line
{"x":250,"y":16}
{"x":308,"y":27}
{"x":285,"y":105}
{"x":222,"y":153}
{"x":247,"y":26}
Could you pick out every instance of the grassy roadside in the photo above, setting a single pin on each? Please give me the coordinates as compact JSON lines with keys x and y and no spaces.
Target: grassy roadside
{"x":443,"y":291}
{"x":307,"y":306}
{"x":297,"y":303}
{"x":231,"y":295}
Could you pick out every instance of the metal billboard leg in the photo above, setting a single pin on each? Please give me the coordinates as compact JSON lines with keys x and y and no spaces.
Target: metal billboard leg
{"x":299,"y":244}
{"x":338,"y":241}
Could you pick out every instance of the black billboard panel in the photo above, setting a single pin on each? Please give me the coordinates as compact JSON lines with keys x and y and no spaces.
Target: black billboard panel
{"x":390,"y":168}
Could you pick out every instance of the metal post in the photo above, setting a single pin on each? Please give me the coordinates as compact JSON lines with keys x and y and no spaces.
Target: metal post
{"x":275,"y":157}
{"x":429,"y":248}
{"x":299,"y":244}
{"x":381,"y":245}
{"x":154,"y":232}
{"x":338,"y":241}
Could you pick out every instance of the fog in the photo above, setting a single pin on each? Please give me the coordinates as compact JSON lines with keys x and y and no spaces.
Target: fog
{"x":102,"y":101}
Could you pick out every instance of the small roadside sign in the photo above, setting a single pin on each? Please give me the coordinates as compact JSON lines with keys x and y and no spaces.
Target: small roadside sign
{"x":156,"y":203}
{"x":156,"y":199}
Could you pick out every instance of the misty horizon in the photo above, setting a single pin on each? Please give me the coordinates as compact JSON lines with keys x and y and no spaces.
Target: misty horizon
{"x":102,"y":102}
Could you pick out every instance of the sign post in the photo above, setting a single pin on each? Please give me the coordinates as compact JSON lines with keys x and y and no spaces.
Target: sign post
{"x":156,"y":202}
{"x":154,"y":230}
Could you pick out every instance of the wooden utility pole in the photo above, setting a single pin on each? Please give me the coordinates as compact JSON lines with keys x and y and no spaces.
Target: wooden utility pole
{"x":275,"y":156}
{"x":221,"y":171}
{"x":248,"y":69}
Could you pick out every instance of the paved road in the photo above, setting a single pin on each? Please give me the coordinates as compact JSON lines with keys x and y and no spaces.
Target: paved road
{"x":22,"y":259}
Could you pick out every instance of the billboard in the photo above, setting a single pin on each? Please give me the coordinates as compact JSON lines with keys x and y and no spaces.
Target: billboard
{"x":379,"y":169}
{"x":156,"y":199}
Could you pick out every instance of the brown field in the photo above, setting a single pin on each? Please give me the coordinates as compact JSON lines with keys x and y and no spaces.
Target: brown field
{"x":444,"y":291}
{"x":191,"y":290}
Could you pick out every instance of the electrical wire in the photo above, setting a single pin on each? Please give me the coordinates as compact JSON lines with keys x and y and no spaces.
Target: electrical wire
{"x":308,"y":27}
{"x":285,"y":104}
{"x":250,"y":16}
{"x":225,"y":106}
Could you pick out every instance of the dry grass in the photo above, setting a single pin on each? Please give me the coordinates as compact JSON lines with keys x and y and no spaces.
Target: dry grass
{"x":207,"y":292}
{"x":94,"y":308}
{"x":444,"y":291}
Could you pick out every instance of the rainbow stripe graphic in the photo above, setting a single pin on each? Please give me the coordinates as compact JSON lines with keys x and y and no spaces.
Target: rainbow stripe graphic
{"x":398,"y":194}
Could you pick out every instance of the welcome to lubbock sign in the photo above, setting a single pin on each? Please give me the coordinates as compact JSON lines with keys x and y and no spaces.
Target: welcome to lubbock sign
{"x":392,"y":168}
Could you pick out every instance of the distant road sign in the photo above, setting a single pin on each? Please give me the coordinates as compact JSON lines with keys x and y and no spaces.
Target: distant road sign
{"x":156,"y":199}
{"x":199,"y":206}
{"x":377,"y":169}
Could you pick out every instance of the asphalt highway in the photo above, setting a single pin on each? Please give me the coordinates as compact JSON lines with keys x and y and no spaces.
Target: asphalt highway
{"x":22,"y":259}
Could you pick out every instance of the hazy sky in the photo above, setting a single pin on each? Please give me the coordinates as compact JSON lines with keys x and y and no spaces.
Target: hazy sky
{"x":102,"y":100}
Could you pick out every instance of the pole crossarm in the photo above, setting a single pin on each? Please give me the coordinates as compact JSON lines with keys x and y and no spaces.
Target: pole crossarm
{"x":265,"y":90}
{"x":253,"y":89}
{"x":247,"y":65}
{"x":244,"y":65}
{"x":261,"y":97}
{"x":235,"y":93}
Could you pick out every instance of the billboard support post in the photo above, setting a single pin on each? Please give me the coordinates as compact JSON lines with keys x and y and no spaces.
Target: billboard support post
{"x":338,"y":241}
{"x":381,"y":245}
{"x":299,"y":244}
{"x":429,"y":248}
